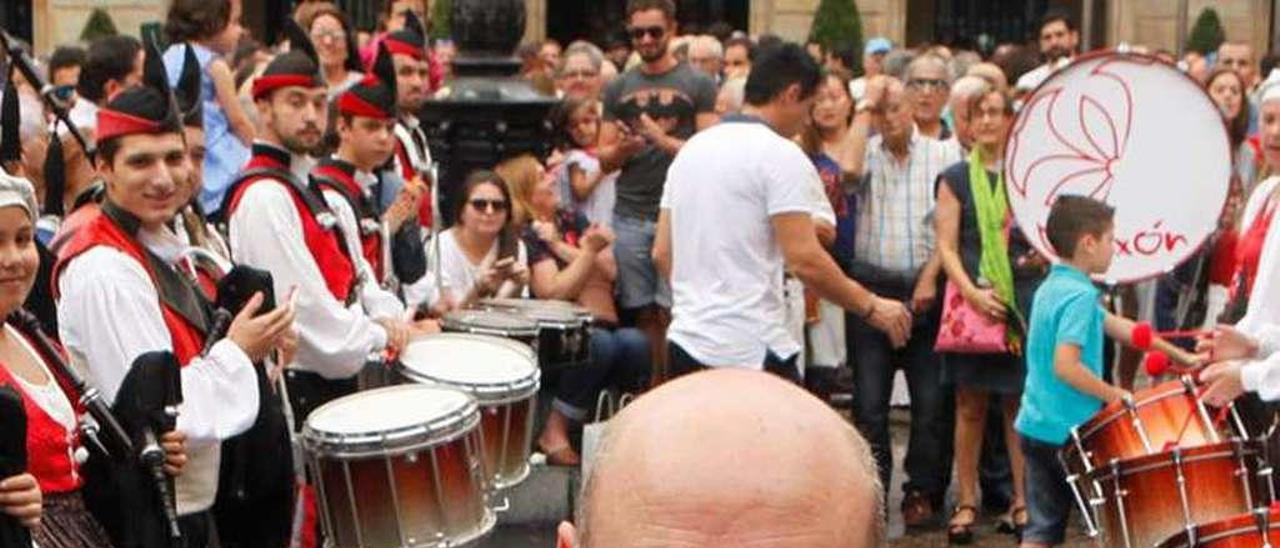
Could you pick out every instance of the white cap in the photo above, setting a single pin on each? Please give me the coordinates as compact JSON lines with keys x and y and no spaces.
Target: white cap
{"x":1270,"y":93}
{"x":17,"y":191}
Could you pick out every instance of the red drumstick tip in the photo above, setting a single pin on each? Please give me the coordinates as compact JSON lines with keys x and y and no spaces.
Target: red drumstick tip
{"x":1157,"y":363}
{"x":1142,"y":336}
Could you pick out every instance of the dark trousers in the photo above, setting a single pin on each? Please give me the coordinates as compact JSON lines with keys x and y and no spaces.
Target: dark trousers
{"x":681,"y":363}
{"x":874,"y":361}
{"x":198,"y":530}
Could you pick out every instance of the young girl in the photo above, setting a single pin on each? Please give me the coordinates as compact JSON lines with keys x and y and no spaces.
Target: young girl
{"x":583,"y":187}
{"x":212,"y":28}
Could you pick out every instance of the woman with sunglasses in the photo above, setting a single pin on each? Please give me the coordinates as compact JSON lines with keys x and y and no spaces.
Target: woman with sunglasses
{"x":480,"y":256}
{"x":47,"y":498}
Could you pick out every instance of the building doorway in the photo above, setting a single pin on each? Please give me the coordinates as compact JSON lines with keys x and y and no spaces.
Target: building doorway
{"x":598,"y":20}
{"x":959,"y":23}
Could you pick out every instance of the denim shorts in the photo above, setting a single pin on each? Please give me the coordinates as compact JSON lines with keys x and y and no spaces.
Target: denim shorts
{"x":1049,"y":496}
{"x":638,"y":284}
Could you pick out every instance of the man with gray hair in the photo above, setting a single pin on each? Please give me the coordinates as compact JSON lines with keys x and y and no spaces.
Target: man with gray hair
{"x":747,"y":459}
{"x":707,"y":55}
{"x":928,"y":81}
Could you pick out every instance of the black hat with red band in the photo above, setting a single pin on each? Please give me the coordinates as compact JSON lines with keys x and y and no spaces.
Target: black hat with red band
{"x":375,"y":95}
{"x":149,"y":108}
{"x":299,"y":67}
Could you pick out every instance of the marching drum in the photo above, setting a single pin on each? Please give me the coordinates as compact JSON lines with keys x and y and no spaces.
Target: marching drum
{"x":1261,"y":527}
{"x":497,"y":323}
{"x":1147,"y":499}
{"x":563,"y":328}
{"x":1169,"y":413}
{"x":399,"y":466}
{"x":502,"y":375}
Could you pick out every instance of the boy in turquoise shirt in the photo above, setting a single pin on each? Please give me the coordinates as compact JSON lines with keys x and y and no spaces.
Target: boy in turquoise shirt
{"x":1064,"y":386}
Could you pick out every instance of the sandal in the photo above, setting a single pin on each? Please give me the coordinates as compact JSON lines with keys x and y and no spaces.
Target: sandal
{"x":961,"y":533}
{"x":1013,"y":521}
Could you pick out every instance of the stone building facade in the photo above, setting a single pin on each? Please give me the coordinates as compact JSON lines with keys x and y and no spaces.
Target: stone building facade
{"x":1148,"y":22}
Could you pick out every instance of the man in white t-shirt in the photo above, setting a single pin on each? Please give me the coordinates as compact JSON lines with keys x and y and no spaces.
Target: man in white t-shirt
{"x":737,"y":206}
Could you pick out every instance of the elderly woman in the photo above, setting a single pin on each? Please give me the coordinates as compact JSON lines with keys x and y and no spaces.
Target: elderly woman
{"x":579,"y":75}
{"x":990,"y":268}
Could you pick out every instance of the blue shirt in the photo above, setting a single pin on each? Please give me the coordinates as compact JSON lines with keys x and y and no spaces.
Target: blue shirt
{"x":225,"y":154}
{"x":1066,"y":310}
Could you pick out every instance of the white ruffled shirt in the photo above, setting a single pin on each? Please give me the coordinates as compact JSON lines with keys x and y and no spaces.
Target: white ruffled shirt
{"x":1262,"y":321}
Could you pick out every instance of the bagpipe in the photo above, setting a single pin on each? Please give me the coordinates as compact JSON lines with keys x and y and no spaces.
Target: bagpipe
{"x":126,"y":486}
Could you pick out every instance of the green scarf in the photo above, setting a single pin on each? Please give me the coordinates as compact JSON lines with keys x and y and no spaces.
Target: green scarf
{"x":992,"y":207}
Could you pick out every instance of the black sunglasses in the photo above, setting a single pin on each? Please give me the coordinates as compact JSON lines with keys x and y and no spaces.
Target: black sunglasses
{"x":481,"y":204}
{"x":637,"y":33}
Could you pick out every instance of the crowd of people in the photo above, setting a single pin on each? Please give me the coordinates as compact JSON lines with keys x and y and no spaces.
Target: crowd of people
{"x":713,"y":200}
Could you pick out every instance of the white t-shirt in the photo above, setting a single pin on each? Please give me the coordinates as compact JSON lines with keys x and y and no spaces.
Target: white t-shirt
{"x":721,"y":191}
{"x":457,"y":273}
{"x":598,"y":207}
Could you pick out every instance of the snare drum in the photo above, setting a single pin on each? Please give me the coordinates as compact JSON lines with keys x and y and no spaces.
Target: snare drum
{"x":497,"y":323}
{"x":1261,"y":527}
{"x":1168,"y":413}
{"x":502,"y":375}
{"x":399,"y":466}
{"x":1147,"y":499}
{"x":564,"y":336}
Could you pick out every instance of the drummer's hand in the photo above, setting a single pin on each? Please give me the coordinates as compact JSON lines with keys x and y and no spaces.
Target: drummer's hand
{"x":174,"y":444}
{"x":1118,"y":394}
{"x":257,"y":336}
{"x":423,"y":327}
{"x":20,"y":497}
{"x":1226,"y":343}
{"x":397,"y":332}
{"x":1223,"y":381}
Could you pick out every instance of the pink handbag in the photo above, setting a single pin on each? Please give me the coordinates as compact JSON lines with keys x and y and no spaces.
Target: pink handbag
{"x":964,"y":330}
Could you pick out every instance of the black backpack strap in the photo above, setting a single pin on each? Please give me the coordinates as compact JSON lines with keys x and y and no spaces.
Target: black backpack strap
{"x":360,"y":205}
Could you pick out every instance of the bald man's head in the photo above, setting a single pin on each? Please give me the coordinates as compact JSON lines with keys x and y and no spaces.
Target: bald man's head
{"x":730,"y":458}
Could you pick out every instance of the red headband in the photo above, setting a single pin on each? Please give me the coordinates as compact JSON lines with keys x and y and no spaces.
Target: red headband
{"x":353,"y":105}
{"x":113,"y":124}
{"x":266,"y":84}
{"x":404,"y":48}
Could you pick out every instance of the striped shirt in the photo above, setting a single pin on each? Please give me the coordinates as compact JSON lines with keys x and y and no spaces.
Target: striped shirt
{"x":896,"y":201}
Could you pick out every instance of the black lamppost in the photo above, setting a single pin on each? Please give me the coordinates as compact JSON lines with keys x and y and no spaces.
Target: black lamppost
{"x":490,"y":113}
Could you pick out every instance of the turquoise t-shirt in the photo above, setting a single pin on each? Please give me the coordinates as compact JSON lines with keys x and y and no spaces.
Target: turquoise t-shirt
{"x":1066,"y":310}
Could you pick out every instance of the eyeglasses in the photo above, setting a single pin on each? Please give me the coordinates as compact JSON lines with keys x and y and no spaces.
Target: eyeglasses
{"x":925,"y":83}
{"x":637,"y":33}
{"x":335,"y":35}
{"x":579,"y":74}
{"x":496,"y":206}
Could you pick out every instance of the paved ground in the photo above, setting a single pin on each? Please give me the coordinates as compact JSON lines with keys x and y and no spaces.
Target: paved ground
{"x":544,"y":537}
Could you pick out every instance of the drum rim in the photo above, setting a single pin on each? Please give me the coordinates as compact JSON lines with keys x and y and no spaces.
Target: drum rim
{"x":486,"y":393}
{"x":1234,"y":525}
{"x":1091,"y":427}
{"x":1138,"y":464}
{"x":528,"y":327}
{"x":435,"y":432}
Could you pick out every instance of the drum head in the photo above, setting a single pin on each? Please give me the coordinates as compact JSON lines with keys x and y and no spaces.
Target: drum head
{"x":495,"y":322}
{"x":390,"y":417}
{"x":491,"y":368}
{"x":548,"y":313}
{"x":1135,"y":133}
